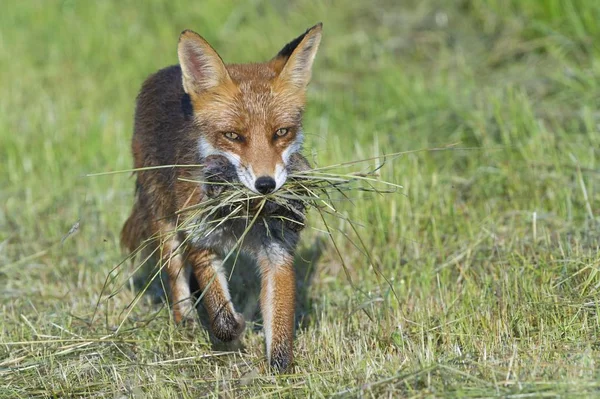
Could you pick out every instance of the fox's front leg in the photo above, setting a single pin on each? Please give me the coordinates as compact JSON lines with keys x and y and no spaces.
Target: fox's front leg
{"x":278,"y":302}
{"x":226,"y":324}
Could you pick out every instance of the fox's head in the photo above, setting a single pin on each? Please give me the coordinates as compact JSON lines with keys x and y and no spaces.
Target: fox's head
{"x":250,"y":113}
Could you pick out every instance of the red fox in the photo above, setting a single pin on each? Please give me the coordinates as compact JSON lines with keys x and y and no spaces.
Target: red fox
{"x":203,"y":111}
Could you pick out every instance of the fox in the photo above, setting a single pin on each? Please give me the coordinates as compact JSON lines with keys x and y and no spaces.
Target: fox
{"x":241,"y":122}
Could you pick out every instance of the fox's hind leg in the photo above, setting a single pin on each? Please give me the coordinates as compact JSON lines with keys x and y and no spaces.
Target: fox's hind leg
{"x":226,"y":324}
{"x":172,"y":259}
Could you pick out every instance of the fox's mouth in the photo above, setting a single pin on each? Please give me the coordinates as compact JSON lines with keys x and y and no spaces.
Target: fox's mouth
{"x":220,"y":170}
{"x":261,"y":185}
{"x":280,"y":176}
{"x":247,"y":178}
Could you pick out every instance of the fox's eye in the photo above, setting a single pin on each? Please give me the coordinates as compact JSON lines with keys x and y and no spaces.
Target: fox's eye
{"x":281,"y":132}
{"x":232,"y":136}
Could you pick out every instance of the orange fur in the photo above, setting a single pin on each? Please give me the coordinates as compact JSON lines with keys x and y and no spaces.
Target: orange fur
{"x":277,"y":300}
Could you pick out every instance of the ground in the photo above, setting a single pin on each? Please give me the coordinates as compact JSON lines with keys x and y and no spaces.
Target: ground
{"x":479,"y":278}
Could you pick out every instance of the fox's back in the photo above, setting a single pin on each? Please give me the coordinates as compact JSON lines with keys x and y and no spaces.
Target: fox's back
{"x":162,"y":127}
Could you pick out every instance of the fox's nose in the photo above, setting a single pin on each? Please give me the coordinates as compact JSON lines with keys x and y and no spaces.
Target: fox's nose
{"x":265,"y":184}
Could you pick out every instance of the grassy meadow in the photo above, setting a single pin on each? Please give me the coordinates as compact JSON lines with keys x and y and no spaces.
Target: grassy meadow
{"x":480,"y":277}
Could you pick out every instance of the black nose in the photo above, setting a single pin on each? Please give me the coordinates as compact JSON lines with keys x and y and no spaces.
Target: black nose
{"x":265,"y":184}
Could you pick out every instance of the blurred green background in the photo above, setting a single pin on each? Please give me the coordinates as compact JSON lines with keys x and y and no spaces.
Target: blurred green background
{"x":491,"y":248}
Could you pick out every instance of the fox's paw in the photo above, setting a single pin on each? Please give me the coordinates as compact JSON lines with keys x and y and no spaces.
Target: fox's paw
{"x":187,"y":322}
{"x":281,"y":358}
{"x":184,"y":314}
{"x":228,"y":326}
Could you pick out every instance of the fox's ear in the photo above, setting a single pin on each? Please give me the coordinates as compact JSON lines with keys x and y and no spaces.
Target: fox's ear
{"x":294,"y":61}
{"x":201,"y":66}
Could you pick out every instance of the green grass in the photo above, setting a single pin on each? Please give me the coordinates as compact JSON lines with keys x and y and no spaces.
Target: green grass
{"x":491,"y":248}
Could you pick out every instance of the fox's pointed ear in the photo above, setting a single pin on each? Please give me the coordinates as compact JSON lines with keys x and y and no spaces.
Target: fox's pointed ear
{"x":294,"y":61}
{"x":201,"y":66}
